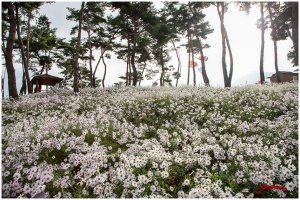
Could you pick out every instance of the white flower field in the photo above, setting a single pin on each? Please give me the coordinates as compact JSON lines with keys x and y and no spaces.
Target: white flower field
{"x":158,"y":142}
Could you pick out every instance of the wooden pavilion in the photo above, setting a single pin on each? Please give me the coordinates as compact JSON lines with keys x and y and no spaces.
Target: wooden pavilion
{"x":44,"y":79}
{"x":284,"y":77}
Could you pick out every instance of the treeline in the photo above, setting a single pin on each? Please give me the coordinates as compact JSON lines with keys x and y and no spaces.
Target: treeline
{"x":137,"y":33}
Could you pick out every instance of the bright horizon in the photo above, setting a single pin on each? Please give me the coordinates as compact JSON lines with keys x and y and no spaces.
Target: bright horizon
{"x":243,"y":34}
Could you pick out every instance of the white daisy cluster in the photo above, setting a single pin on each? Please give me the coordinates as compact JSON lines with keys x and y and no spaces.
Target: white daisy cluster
{"x":185,"y":142}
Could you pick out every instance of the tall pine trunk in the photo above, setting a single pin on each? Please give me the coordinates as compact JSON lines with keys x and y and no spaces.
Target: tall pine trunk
{"x":276,"y":61}
{"x":23,"y":56}
{"x":179,"y":62}
{"x":194,"y":72}
{"x":223,"y":34}
{"x":133,"y":50}
{"x":23,"y":88}
{"x":76,"y":67}
{"x":97,"y":65}
{"x":189,"y":63}
{"x":261,"y":63}
{"x":145,"y":64}
{"x":43,"y":68}
{"x":135,"y":74}
{"x":12,"y":88}
{"x":128,"y":70}
{"x":275,"y":44}
{"x":104,"y":74}
{"x":295,"y":17}
{"x":90,"y":57}
{"x":128,"y":55}
{"x":162,"y":75}
{"x":29,"y":85}
{"x":230,"y":56}
{"x":204,"y":74}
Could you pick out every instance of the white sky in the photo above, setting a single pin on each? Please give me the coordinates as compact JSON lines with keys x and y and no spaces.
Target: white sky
{"x":243,"y":34}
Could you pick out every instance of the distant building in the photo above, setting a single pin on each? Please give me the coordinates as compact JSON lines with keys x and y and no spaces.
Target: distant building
{"x":284,"y":77}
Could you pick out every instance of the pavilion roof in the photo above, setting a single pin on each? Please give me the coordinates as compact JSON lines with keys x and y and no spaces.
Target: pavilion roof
{"x":46,"y":79}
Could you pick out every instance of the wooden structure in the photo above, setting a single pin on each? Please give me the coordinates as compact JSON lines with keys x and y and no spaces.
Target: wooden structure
{"x":284,"y":77}
{"x":44,"y":79}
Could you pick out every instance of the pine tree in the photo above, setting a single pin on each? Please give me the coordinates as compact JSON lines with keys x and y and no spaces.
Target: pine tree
{"x":27,"y":9}
{"x":221,"y":9}
{"x":273,"y":8}
{"x":9,"y":20}
{"x":76,"y":65}
{"x":286,"y":26}
{"x":162,"y":35}
{"x":262,"y":26}
{"x":135,"y":18}
{"x":201,"y":29}
{"x":96,"y":26}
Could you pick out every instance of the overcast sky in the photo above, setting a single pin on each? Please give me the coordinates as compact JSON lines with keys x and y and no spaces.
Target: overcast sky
{"x":243,"y":34}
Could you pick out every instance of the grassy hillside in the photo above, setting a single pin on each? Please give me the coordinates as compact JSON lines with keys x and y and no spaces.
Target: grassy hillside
{"x":152,"y":142}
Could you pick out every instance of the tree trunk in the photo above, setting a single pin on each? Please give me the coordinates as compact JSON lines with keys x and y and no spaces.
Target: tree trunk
{"x":295,"y":29}
{"x":276,"y":61}
{"x":2,"y":86}
{"x":194,"y":72}
{"x":103,"y":50}
{"x":25,"y":57}
{"x":261,"y":64}
{"x":43,"y":68}
{"x":126,"y":74}
{"x":23,"y":88}
{"x":90,"y":57}
{"x":224,"y":67}
{"x":24,"y":62}
{"x":76,"y":67}
{"x":29,"y":85}
{"x":179,"y":62}
{"x":97,"y":65}
{"x":12,"y":88}
{"x":128,"y":70}
{"x":289,"y":34}
{"x":161,"y":80}
{"x":104,"y":75}
{"x":275,"y":45}
{"x":204,"y":74}
{"x":189,"y":64}
{"x":142,"y":73}
{"x":230,"y":57}
{"x":128,"y":55}
{"x":135,"y":74}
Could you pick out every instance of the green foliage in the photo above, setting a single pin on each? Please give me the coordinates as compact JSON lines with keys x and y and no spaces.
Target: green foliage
{"x":89,"y":138}
{"x":43,"y":43}
{"x":55,"y":156}
{"x":65,"y":60}
{"x":108,"y":141}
